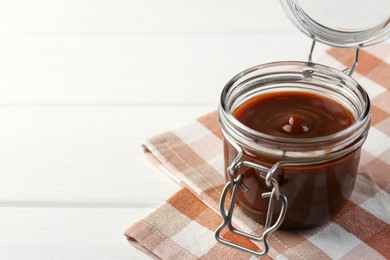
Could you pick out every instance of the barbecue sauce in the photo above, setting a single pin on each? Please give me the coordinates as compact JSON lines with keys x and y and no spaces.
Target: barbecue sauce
{"x":294,"y":114}
{"x":315,"y":192}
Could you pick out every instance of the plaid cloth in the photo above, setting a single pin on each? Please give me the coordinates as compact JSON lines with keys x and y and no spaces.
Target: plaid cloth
{"x":183,"y":227}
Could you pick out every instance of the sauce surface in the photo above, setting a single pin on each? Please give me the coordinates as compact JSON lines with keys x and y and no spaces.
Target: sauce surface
{"x":294,"y":114}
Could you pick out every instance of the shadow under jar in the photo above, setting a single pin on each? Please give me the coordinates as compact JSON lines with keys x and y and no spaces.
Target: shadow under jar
{"x":298,"y":126}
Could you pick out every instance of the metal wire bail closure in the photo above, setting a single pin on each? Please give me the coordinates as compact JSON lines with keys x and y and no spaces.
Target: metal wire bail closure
{"x":227,"y":215}
{"x":348,"y":71}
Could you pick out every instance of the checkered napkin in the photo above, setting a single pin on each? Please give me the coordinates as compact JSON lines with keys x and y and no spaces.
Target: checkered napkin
{"x":183,"y":227}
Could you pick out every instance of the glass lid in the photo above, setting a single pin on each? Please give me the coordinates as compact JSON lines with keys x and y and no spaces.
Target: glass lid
{"x":341,"y":23}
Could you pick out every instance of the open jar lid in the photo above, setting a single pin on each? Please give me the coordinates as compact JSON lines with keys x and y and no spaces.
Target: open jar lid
{"x":341,"y":23}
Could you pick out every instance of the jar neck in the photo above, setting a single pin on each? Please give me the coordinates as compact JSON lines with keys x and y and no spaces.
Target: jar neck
{"x":294,"y":76}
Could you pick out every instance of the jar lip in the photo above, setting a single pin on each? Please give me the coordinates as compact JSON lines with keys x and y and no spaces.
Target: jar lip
{"x":227,"y":114}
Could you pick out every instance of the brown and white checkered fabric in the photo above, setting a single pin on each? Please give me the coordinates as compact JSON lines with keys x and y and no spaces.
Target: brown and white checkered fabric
{"x":183,"y":227}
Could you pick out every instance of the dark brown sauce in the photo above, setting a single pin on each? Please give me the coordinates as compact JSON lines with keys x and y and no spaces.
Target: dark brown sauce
{"x":314,"y":192}
{"x":294,"y":114}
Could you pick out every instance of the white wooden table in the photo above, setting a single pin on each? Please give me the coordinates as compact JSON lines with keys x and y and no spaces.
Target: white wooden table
{"x":84,"y":82}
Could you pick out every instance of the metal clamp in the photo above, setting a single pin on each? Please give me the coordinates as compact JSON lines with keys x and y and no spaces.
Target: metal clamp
{"x":348,"y":71}
{"x":234,"y":184}
{"x":236,"y":181}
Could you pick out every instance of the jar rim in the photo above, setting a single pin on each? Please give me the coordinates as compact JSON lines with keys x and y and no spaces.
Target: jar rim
{"x":227,"y":118}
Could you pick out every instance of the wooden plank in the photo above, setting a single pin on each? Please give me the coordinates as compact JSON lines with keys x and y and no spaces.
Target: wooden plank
{"x":86,"y":156}
{"x":122,"y":16}
{"x":148,"y":69}
{"x":68,"y":233}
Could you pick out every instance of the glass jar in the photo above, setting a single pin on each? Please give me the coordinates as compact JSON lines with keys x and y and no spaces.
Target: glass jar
{"x":316,"y":175}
